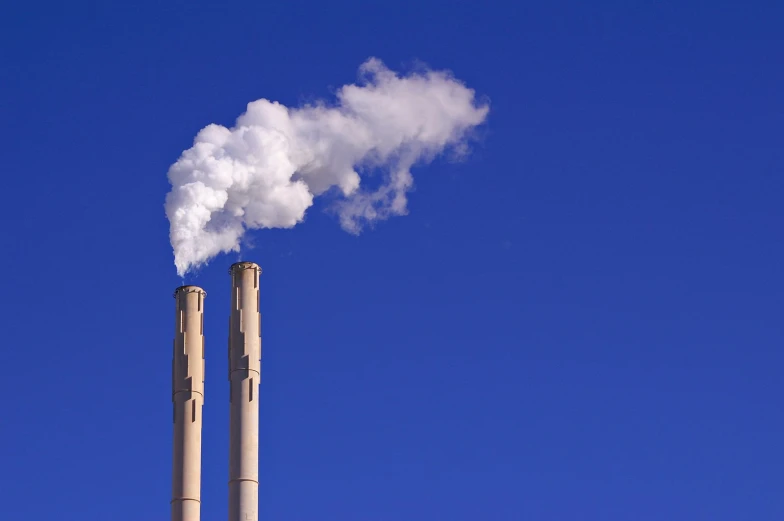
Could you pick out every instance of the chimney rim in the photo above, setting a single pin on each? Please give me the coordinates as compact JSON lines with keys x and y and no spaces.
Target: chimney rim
{"x":244,"y":265}
{"x":189,"y":289}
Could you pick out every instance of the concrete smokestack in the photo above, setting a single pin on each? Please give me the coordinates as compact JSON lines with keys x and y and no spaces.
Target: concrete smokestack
{"x":244,"y":376}
{"x":188,"y":398}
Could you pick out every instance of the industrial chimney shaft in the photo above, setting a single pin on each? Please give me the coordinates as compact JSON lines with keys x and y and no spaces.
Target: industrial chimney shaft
{"x":188,"y":399}
{"x":244,"y":377}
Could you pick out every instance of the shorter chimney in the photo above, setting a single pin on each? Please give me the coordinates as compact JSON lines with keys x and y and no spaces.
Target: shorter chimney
{"x":188,"y":398}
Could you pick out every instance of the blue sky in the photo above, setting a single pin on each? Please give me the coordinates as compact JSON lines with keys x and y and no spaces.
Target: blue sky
{"x":580,"y":321}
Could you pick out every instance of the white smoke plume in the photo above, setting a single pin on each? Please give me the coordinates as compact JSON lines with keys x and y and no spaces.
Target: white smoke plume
{"x":265,"y":171}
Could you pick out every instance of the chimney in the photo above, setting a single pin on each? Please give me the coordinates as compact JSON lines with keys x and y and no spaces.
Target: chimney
{"x":188,"y":398}
{"x":244,"y":376}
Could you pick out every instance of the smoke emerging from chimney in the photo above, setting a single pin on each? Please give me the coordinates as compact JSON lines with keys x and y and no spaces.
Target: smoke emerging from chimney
{"x":265,"y":171}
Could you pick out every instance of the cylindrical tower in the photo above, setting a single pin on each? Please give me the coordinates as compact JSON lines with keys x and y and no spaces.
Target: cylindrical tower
{"x":188,"y":398}
{"x":244,"y":376}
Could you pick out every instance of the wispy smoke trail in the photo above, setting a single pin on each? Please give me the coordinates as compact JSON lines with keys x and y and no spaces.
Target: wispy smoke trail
{"x":265,"y":171}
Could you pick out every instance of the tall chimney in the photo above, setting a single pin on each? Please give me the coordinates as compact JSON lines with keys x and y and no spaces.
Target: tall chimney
{"x":244,"y":376}
{"x":188,"y":398}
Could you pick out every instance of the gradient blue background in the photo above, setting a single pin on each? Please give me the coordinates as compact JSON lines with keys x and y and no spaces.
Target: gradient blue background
{"x":583,"y":321}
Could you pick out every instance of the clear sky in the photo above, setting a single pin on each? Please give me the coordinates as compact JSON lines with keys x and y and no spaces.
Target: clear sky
{"x":581,"y":321}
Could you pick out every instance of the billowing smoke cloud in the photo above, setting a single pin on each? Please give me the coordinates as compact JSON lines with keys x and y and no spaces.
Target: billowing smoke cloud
{"x":265,"y":171}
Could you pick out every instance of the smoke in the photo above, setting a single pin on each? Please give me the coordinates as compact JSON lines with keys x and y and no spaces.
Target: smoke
{"x":265,"y":171}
